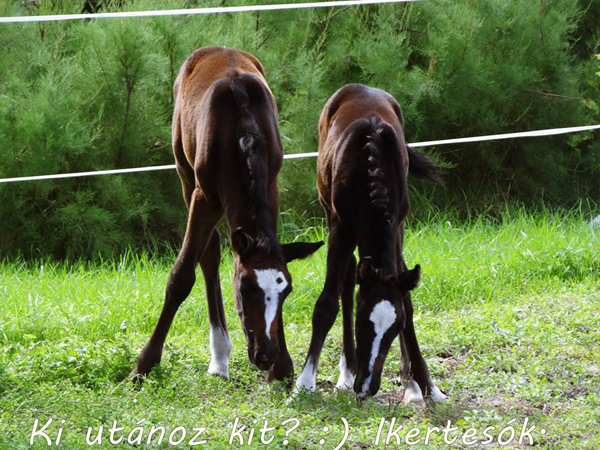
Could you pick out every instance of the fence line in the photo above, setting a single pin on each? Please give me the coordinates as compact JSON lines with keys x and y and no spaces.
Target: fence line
{"x":494,"y":137}
{"x":195,"y":11}
{"x":92,"y":173}
{"x":497,"y":137}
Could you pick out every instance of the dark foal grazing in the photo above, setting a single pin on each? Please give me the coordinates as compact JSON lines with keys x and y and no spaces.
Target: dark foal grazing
{"x":361,"y":175}
{"x":228,"y":153}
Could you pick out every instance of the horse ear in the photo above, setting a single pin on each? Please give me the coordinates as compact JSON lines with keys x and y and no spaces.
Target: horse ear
{"x":365,"y":269}
{"x":241,"y":243}
{"x":409,"y":280}
{"x":300,"y":250}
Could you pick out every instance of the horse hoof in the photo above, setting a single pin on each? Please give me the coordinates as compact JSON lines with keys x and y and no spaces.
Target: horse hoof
{"x":136,"y":377}
{"x":304,"y":388}
{"x":343,"y":388}
{"x":438,"y":396}
{"x":345,"y":383}
{"x":361,"y":397}
{"x":218,"y":371}
{"x":412,"y":393}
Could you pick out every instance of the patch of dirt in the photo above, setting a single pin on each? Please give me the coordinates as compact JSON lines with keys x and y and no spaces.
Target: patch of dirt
{"x":576,"y":391}
{"x":454,"y":352}
{"x":500,"y":403}
{"x":390,"y":398}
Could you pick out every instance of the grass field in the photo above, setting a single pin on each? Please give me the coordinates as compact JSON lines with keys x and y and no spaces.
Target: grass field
{"x":507,"y":315}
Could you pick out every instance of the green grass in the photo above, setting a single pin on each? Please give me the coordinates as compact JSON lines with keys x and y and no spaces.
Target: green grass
{"x":507,"y":316}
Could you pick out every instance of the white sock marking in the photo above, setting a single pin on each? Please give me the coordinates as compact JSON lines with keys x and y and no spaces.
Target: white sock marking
{"x":346,"y":378}
{"x":413,"y":393}
{"x":382,"y":316}
{"x":272,"y":282}
{"x":308,"y":378}
{"x":220,"y":352}
{"x":437,"y":396}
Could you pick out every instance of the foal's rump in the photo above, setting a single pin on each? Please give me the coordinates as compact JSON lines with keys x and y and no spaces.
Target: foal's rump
{"x":369,"y":173}
{"x":224,"y":114}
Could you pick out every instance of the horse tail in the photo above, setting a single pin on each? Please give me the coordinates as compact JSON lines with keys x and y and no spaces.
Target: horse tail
{"x":253,"y":146}
{"x":421,"y":166}
{"x":378,"y":184}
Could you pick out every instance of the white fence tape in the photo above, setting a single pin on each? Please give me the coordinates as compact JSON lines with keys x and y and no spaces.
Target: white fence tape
{"x":88,"y":174}
{"x":194,"y":11}
{"x":494,"y":137}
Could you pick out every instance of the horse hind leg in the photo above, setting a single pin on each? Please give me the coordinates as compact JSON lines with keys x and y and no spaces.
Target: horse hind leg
{"x":220,"y":342}
{"x":186,"y":176}
{"x":348,"y":365}
{"x":184,"y":168}
{"x":415,"y":374}
{"x":412,"y":390}
{"x":201,"y":222}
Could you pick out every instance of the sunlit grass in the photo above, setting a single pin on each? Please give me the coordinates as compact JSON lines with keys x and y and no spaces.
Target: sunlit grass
{"x":506,"y":315}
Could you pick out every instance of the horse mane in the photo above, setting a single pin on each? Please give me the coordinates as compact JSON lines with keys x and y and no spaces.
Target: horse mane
{"x":253,"y":146}
{"x":377,"y":178}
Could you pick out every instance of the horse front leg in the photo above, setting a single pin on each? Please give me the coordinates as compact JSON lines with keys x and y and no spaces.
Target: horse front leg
{"x":340,"y":247}
{"x":283,"y":370}
{"x":201,"y":222}
{"x":348,"y":365}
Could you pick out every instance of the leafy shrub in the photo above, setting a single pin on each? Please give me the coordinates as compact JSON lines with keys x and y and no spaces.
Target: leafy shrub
{"x":87,"y":95}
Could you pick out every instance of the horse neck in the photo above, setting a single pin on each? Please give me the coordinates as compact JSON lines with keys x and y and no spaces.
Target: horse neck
{"x":258,"y":222}
{"x":383,"y":245}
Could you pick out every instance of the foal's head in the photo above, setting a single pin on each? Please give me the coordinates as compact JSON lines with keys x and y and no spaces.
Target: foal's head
{"x":262,"y":283}
{"x":380,"y":317}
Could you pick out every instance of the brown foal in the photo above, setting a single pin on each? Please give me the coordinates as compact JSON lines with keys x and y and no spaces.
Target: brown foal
{"x":228,"y":153}
{"x":362,"y":172}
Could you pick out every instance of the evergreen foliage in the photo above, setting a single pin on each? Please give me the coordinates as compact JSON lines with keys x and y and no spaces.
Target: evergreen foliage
{"x":97,"y":94}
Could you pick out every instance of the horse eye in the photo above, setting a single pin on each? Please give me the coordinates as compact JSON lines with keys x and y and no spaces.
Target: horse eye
{"x":279,"y":280}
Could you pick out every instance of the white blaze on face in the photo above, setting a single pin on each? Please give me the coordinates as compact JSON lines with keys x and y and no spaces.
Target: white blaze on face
{"x":272,"y":282}
{"x":383,"y":316}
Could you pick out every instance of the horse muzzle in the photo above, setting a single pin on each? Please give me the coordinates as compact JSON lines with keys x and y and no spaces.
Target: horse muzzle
{"x":264,"y":358}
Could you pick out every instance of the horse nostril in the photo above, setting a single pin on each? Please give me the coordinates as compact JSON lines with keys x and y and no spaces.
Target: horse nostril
{"x":262,"y":358}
